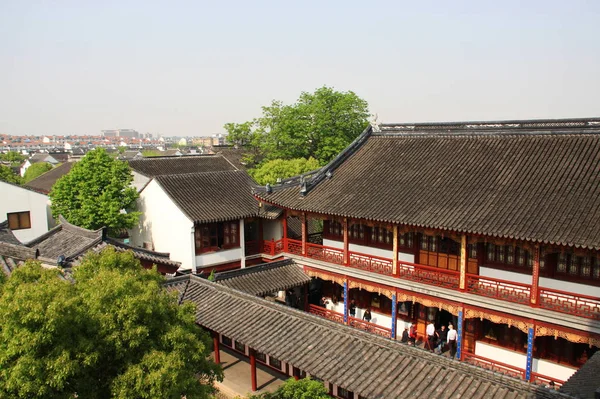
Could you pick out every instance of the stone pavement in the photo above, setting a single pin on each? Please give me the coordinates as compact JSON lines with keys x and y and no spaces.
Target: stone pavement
{"x":237,"y":376}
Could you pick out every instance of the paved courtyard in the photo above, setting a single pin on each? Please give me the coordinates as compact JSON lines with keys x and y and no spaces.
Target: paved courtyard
{"x":237,"y":376}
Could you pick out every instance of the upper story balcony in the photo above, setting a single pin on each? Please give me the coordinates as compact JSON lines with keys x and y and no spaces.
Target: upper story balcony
{"x":523,"y":274}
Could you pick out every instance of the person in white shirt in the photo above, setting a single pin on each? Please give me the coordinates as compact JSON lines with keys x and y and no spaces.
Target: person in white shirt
{"x":452,"y":337}
{"x":430,"y":331}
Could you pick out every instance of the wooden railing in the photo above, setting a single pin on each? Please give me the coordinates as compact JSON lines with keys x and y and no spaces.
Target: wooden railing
{"x":326,"y":313}
{"x":570,"y":303}
{"x":498,"y":289}
{"x":429,"y":275}
{"x":494,"y":365}
{"x":272,"y":247}
{"x":546,"y":381}
{"x":370,"y":263}
{"x":370,"y":327}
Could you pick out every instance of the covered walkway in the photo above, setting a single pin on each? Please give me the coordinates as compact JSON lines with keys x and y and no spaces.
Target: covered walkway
{"x":237,"y":381}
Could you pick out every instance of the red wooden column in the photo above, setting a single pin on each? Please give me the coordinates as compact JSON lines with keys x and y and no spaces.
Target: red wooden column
{"x":284,"y":224}
{"x":216,"y":347}
{"x":346,"y":245}
{"x":253,"y":369}
{"x":535,"y":278}
{"x":463,"y":262}
{"x":395,"y":250}
{"x":304,"y":234}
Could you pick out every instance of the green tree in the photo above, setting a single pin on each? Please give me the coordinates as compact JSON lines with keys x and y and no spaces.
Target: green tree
{"x":6,"y":174}
{"x":36,"y":170}
{"x":270,"y":171}
{"x":12,"y":157}
{"x":318,"y":125}
{"x":292,"y":389}
{"x":96,"y":193}
{"x":113,"y":333}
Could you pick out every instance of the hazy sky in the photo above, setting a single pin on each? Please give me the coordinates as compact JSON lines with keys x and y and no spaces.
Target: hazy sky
{"x":186,"y":68}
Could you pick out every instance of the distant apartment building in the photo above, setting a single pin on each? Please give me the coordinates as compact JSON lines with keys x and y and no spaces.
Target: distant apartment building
{"x":121,"y":133}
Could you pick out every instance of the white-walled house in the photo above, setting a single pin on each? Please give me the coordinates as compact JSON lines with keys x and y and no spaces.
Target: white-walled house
{"x":204,"y":220}
{"x":200,"y":209}
{"x":26,"y":210}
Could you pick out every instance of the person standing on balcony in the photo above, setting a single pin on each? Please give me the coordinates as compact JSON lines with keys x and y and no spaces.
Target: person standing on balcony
{"x":352,"y":308}
{"x":367,"y":315}
{"x":412,"y":334}
{"x":430,"y":331}
{"x":452,"y":337}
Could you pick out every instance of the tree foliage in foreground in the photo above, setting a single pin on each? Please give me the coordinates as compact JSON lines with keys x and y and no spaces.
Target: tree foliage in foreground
{"x":6,"y":174}
{"x":36,"y":170}
{"x":292,"y":389}
{"x":318,"y":125}
{"x":96,"y":193}
{"x":270,"y":171}
{"x":114,"y":333}
{"x":13,"y":157}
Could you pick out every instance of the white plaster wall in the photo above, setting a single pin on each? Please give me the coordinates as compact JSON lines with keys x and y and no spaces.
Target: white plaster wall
{"x":216,"y":258}
{"x":516,"y":359}
{"x":505,"y":275}
{"x":569,"y":286}
{"x":139,"y":180}
{"x":272,"y":230}
{"x":553,"y":370}
{"x":164,"y":225}
{"x":18,"y":199}
{"x":384,"y":253}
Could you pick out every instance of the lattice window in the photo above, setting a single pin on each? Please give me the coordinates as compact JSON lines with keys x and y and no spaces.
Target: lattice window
{"x":226,"y":341}
{"x":240,"y":347}
{"x":472,"y":251}
{"x":345,"y":394}
{"x":261,"y":357}
{"x":275,"y":363}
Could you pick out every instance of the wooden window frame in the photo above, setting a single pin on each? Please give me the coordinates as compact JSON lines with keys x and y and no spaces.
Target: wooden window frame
{"x":19,"y":220}
{"x":213,"y":237}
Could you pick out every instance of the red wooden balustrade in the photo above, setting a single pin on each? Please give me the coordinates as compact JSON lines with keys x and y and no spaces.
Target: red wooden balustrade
{"x":429,"y":275}
{"x":370,"y":327}
{"x":493,"y":365}
{"x":545,"y":380}
{"x":570,"y":303}
{"x":326,"y":313}
{"x":498,"y":289}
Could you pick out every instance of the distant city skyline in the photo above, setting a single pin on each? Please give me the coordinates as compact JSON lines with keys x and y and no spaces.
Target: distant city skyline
{"x":186,"y":69}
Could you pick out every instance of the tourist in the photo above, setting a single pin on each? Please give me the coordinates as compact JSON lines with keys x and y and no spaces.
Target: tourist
{"x":412,"y":335}
{"x":367,"y":315}
{"x":430,"y":331}
{"x":442,"y":334}
{"x":451,"y":339}
{"x":352,"y":308}
{"x":405,"y":336}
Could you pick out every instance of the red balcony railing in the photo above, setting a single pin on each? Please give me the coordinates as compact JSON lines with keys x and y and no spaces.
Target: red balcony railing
{"x":570,"y":303}
{"x":352,"y":321}
{"x":498,"y":289}
{"x":326,"y":313}
{"x":370,"y":327}
{"x":429,"y":275}
{"x":370,"y":263}
{"x":545,"y":380}
{"x":272,"y":247}
{"x":493,"y":365}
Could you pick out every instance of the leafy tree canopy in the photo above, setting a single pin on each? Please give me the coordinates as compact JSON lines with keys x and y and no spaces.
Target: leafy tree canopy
{"x":96,"y":193}
{"x":6,"y":174}
{"x":13,"y":157}
{"x":318,"y":125}
{"x":270,"y":171}
{"x":292,"y":389}
{"x":113,"y":333}
{"x":36,"y":170}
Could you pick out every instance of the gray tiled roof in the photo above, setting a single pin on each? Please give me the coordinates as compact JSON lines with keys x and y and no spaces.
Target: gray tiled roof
{"x":264,"y":279}
{"x":158,"y":166}
{"x":586,"y":381}
{"x":44,"y":182}
{"x":6,"y":234}
{"x":211,"y":196}
{"x":529,"y":180}
{"x":371,"y":366}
